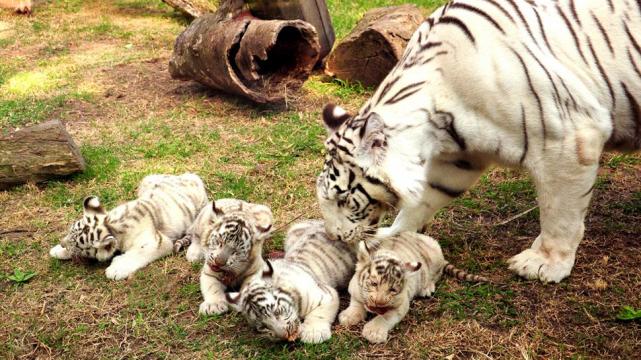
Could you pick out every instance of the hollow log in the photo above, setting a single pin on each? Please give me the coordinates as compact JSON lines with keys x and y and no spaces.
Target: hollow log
{"x":263,"y":60}
{"x":38,"y":153}
{"x":375,"y":45}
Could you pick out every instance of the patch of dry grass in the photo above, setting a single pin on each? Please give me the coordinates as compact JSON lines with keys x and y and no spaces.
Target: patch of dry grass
{"x":132,"y":119}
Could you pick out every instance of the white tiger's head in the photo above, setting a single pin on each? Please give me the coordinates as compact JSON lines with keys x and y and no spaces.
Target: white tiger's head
{"x":382,"y":279}
{"x":237,"y":235}
{"x":352,"y":198}
{"x":270,"y":309}
{"x":90,"y":237}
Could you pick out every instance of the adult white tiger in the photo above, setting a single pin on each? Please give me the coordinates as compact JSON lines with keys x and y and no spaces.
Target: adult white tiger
{"x":143,"y":229}
{"x":544,"y":85}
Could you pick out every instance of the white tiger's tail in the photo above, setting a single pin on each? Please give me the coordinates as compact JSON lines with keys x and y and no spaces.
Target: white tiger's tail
{"x":463,"y":275}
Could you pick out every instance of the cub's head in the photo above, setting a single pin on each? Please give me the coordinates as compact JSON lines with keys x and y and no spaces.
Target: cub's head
{"x":237,"y":234}
{"x":271,"y":310}
{"x":352,"y":195}
{"x":382,"y":279}
{"x":90,"y":237}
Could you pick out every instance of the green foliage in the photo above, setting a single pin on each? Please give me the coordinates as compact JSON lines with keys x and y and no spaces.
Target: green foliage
{"x":21,"y":277}
{"x":628,"y":313}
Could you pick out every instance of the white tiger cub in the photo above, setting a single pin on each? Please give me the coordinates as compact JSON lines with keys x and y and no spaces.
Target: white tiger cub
{"x":302,"y":285}
{"x":229,"y":234}
{"x":389,"y":275}
{"x":143,"y":230}
{"x":539,"y":84}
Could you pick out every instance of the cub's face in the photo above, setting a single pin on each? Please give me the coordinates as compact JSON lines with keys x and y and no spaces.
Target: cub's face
{"x":236,"y":235}
{"x":89,"y":237}
{"x":268,"y":309}
{"x":382,"y":280}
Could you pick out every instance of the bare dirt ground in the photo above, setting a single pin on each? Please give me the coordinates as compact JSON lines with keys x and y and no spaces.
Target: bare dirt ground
{"x":101,"y":67}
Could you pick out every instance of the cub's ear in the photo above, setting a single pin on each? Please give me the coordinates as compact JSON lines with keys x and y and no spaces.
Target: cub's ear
{"x":263,"y":217}
{"x":92,"y":206}
{"x":217,"y":211}
{"x":334,"y":116}
{"x":233,"y":300}
{"x":373,"y":141}
{"x":267,"y":274}
{"x":364,"y":252}
{"x":411,"y":267}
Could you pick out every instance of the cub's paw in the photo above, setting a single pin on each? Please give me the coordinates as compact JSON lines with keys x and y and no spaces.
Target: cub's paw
{"x":428,"y":290}
{"x":119,"y":270}
{"x":374,"y":333}
{"x":350,"y":317}
{"x":533,"y":264}
{"x":315,"y":333}
{"x":194,"y":254}
{"x":211,"y":308}
{"x":59,"y":252}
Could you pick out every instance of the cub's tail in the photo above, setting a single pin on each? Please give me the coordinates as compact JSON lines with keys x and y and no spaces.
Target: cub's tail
{"x":463,"y":275}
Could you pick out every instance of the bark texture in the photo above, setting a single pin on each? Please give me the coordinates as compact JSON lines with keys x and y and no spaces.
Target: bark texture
{"x":38,"y":153}
{"x":262,"y":60}
{"x":375,"y":45}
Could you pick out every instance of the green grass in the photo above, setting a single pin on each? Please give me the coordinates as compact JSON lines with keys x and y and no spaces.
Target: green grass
{"x":482,"y":302}
{"x":25,"y":111}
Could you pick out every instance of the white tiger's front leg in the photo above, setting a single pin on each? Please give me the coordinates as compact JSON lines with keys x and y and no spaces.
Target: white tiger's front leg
{"x":317,"y":326}
{"x":213,"y":291}
{"x":564,"y":189}
{"x":354,"y":313}
{"x":136,"y":258}
{"x":446,"y":181}
{"x":377,"y":329}
{"x":59,"y":252}
{"x":194,"y":251}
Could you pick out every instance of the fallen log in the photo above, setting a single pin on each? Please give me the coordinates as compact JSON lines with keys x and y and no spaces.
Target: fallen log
{"x":375,"y":45}
{"x":262,"y":60}
{"x":38,"y":153}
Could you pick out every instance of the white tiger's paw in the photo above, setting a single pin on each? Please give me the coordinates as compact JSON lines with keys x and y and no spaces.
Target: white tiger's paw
{"x":59,"y":252}
{"x":211,"y":308}
{"x":428,"y":290}
{"x":350,"y":317}
{"x":374,"y":333}
{"x":315,"y":333}
{"x":532,"y":264}
{"x":119,"y":270}
{"x":194,"y":254}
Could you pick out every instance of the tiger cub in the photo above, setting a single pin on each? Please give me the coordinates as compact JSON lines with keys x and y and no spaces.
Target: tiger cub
{"x":229,"y":234}
{"x":388,"y":277}
{"x":302,"y":285}
{"x":143,"y":229}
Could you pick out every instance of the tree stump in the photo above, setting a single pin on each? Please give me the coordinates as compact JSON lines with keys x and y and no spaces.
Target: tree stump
{"x":38,"y":153}
{"x":375,"y":45}
{"x":263,"y":60}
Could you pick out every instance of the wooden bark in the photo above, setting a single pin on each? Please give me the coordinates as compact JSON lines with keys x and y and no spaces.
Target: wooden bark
{"x":375,"y":45}
{"x":263,"y":60}
{"x":38,"y":153}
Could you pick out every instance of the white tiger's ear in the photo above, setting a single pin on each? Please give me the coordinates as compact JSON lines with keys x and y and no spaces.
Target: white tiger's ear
{"x":263,"y":217}
{"x":364,"y":252}
{"x":217,"y":211}
{"x":373,"y":144}
{"x":233,"y":300}
{"x":334,"y":116}
{"x":93,"y":206}
{"x":411,"y":267}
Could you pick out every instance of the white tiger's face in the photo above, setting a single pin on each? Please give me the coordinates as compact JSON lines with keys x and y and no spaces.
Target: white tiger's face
{"x":352,"y":202}
{"x":382,"y":280}
{"x":90,"y":237}
{"x":235,"y":235}
{"x":268,"y":309}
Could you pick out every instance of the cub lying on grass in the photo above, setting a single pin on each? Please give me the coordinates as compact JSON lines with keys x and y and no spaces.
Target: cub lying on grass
{"x":389,"y":276}
{"x":229,"y":234}
{"x":302,"y":285}
{"x":143,"y":229}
